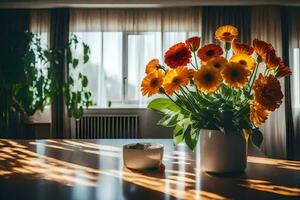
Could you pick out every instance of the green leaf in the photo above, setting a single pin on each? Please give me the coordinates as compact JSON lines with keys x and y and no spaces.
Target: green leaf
{"x":75,"y":62}
{"x":191,"y":137}
{"x":178,"y":134}
{"x":84,"y":81}
{"x":257,"y":137}
{"x":169,"y":120}
{"x":86,"y":58}
{"x":163,"y":105}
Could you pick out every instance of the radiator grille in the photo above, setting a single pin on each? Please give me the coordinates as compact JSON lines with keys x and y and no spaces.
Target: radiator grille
{"x":107,"y":126}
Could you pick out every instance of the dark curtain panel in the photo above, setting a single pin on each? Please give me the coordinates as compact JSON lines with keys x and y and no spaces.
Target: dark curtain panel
{"x":285,"y":19}
{"x":13,"y":22}
{"x":59,"y":36}
{"x":213,"y":17}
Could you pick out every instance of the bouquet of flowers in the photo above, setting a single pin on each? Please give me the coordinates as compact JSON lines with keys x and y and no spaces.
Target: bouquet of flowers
{"x":230,"y":86}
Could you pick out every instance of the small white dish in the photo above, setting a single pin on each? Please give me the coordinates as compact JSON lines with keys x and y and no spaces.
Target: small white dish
{"x":142,"y":155}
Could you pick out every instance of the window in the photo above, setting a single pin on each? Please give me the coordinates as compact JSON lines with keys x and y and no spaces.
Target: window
{"x":117,"y":63}
{"x":295,"y":77}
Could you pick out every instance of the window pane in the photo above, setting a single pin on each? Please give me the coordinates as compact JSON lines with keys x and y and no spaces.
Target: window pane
{"x":295,"y":78}
{"x":171,"y":38}
{"x":104,"y":68}
{"x":141,"y":48}
{"x":112,"y":66}
{"x":92,"y":68}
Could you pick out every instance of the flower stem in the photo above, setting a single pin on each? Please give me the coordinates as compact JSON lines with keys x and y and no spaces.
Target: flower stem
{"x":192,"y":103}
{"x":196,"y":61}
{"x":253,"y":76}
{"x":174,"y":101}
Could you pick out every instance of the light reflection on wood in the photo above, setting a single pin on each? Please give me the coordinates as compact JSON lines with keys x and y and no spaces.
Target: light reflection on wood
{"x":158,"y":184}
{"x":180,"y":183}
{"x":267,"y":186}
{"x":286,"y":164}
{"x":20,"y":160}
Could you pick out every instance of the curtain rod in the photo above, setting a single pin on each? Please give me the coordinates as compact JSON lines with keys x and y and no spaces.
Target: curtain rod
{"x":139,"y":3}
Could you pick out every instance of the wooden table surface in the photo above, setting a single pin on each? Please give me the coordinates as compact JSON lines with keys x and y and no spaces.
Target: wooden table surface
{"x":93,"y":169}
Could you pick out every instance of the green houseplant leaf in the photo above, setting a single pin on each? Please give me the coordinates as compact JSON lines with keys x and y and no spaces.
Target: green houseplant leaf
{"x":163,"y":105}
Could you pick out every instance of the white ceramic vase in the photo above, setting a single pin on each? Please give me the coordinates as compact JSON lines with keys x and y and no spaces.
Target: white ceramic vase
{"x":222,"y":153}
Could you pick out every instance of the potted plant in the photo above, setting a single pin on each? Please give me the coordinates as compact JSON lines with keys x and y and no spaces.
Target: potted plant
{"x":28,"y":81}
{"x":219,"y":93}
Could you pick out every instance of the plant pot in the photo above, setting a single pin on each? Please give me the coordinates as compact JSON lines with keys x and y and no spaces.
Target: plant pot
{"x":222,"y":153}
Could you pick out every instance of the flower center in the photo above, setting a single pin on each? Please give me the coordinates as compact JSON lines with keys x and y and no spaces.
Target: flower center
{"x":226,"y":34}
{"x":178,"y":54}
{"x":217,"y":65}
{"x":234,"y":73}
{"x":154,"y":82}
{"x":208,"y":77}
{"x":210,"y":53}
{"x":176,"y":80}
{"x":243,"y":62}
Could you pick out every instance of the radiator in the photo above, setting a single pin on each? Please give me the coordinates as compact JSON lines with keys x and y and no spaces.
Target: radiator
{"x":106,"y":126}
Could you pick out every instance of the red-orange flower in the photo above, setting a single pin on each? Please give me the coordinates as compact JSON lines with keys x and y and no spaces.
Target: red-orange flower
{"x":283,"y":70}
{"x":261,"y":48}
{"x":209,"y":51}
{"x":271,"y":59}
{"x":240,"y":48}
{"x":193,"y":43}
{"x":267,"y":92}
{"x":178,"y":55}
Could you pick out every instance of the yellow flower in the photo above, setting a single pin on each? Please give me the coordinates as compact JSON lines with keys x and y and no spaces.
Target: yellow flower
{"x":152,"y":65}
{"x":152,"y":82}
{"x":235,"y":75}
{"x":245,"y":60}
{"x":258,"y":114}
{"x":175,"y":78}
{"x":217,"y":63}
{"x":267,"y":92}
{"x":226,"y":33}
{"x":207,"y":79}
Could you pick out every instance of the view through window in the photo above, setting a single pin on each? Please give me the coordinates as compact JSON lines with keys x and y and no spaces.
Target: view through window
{"x":117,"y":64}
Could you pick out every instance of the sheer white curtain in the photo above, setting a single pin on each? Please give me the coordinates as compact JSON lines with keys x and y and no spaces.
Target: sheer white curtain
{"x":40,"y":23}
{"x":266,"y":25}
{"x":122,"y":41}
{"x":294,"y":47}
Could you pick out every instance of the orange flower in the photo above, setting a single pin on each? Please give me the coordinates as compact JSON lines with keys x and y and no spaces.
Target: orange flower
{"x":152,"y":65}
{"x":226,"y":33}
{"x":178,"y":55}
{"x":207,"y":79}
{"x":258,"y":114}
{"x":193,"y":43}
{"x":240,"y":48}
{"x":217,"y":63}
{"x":282,"y":70}
{"x":261,"y":48}
{"x":152,"y":82}
{"x":271,"y":60}
{"x":209,"y":51}
{"x":267,"y":92}
{"x":245,"y":60}
{"x":235,"y":75}
{"x":176,"y":78}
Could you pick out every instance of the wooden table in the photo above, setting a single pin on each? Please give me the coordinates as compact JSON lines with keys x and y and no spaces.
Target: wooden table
{"x":93,"y":169}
